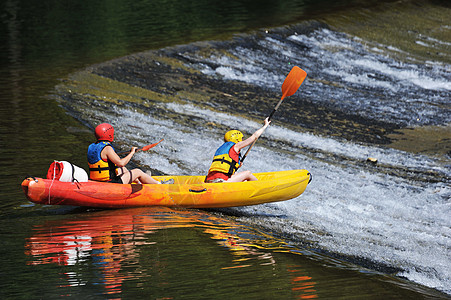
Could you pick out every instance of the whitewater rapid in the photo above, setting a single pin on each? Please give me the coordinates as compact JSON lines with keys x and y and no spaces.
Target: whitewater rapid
{"x":347,"y":210}
{"x":379,"y":213}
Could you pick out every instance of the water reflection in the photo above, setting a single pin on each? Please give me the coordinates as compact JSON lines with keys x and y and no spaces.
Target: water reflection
{"x":113,"y":249}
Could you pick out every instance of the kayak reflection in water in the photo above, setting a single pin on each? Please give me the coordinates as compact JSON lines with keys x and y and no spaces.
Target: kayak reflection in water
{"x":226,"y":160}
{"x":120,"y":251}
{"x":106,"y":165}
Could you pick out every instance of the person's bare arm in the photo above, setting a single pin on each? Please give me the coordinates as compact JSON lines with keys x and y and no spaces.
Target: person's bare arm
{"x":109,"y":154}
{"x":240,"y":145}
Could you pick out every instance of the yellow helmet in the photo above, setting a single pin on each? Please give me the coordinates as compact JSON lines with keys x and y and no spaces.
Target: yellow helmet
{"x":233,"y":136}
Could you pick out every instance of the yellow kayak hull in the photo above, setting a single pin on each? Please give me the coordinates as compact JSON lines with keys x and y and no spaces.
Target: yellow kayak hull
{"x":187,"y":191}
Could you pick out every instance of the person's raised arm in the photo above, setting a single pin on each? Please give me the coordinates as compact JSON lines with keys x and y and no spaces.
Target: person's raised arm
{"x":240,"y":145}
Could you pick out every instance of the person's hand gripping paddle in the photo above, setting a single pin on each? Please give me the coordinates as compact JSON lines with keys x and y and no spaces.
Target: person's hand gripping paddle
{"x":145,"y":148}
{"x":289,"y":87}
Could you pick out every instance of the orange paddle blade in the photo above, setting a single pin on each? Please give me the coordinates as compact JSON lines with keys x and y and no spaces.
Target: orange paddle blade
{"x":145,"y":148}
{"x":293,"y":81}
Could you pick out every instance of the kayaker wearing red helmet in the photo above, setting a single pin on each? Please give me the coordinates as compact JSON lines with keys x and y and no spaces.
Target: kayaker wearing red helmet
{"x":106,"y":165}
{"x":226,"y":160}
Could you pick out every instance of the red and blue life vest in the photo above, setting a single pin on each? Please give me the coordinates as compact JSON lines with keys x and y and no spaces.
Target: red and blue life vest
{"x":99,"y":169}
{"x":225,"y":160}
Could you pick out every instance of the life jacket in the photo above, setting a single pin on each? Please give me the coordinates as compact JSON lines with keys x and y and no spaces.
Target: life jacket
{"x":99,"y":169}
{"x":225,"y":160}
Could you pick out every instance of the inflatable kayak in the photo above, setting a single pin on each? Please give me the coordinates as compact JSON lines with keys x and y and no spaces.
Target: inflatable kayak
{"x":187,"y":191}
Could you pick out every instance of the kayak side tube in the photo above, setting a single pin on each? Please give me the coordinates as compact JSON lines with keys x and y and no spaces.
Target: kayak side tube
{"x":187,"y":191}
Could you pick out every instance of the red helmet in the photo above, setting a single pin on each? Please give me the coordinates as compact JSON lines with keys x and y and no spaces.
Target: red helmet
{"x":104,"y":132}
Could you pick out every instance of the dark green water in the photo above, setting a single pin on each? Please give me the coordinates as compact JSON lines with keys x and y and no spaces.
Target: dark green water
{"x":54,"y":252}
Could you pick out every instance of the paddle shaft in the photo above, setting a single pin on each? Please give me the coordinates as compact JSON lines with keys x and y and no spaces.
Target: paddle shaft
{"x":289,"y":87}
{"x":275,"y":109}
{"x":269,"y":118}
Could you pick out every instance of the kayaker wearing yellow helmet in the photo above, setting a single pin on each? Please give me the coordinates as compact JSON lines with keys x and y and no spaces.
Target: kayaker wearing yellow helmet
{"x":106,"y":165}
{"x":226,"y":160}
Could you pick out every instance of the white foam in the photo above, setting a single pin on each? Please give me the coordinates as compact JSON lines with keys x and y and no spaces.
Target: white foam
{"x":372,"y":216}
{"x":360,"y":75}
{"x":422,"y":43}
{"x":347,"y":209}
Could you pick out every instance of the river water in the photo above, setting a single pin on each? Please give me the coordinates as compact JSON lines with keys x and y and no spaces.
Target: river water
{"x":378,"y":87}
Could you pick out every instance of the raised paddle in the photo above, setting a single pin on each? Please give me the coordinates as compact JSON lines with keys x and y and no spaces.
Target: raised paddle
{"x":145,"y":148}
{"x":289,"y":87}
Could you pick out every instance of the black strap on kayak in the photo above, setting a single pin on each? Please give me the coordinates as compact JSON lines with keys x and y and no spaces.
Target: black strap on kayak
{"x":73,"y":172}
{"x":197,"y":191}
{"x":29,"y":176}
{"x":77,"y":183}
